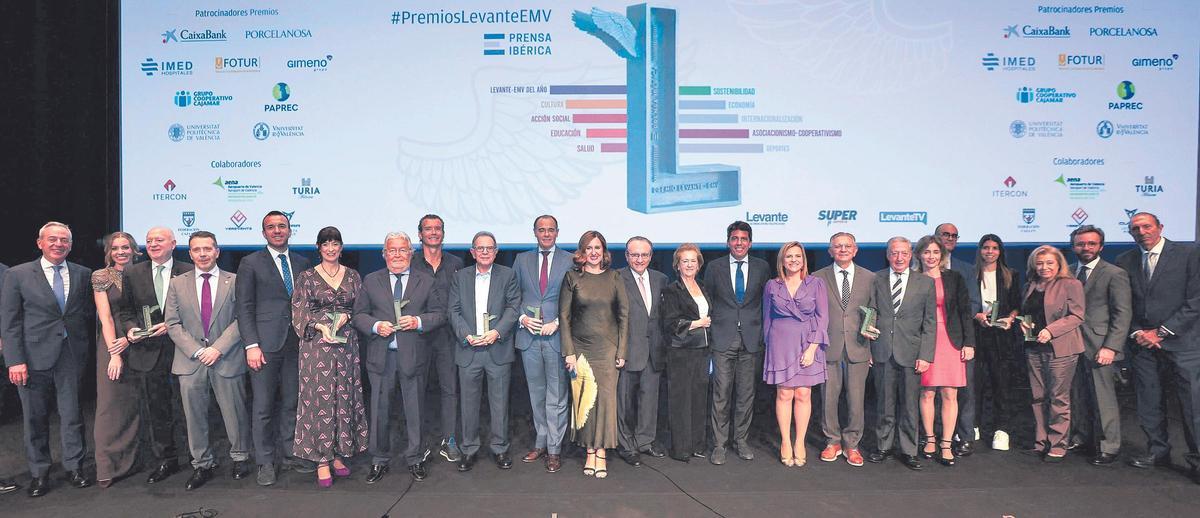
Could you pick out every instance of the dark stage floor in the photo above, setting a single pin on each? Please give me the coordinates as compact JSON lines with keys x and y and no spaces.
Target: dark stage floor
{"x":985,"y":484}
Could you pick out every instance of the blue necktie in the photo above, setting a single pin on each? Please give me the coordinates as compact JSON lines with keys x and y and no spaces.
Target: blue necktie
{"x":60,"y":289}
{"x":287,"y":273}
{"x":739,"y":283}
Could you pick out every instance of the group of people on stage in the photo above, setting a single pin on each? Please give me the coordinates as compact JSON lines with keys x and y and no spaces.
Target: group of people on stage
{"x":594,"y":342}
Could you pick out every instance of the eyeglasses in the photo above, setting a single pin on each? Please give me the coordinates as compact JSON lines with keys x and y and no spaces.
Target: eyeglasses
{"x":485,"y":249}
{"x":949,"y":235}
{"x":637,"y":256}
{"x":397,"y":251}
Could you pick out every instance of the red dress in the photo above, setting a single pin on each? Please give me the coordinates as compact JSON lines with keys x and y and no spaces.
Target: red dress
{"x":948,"y":368}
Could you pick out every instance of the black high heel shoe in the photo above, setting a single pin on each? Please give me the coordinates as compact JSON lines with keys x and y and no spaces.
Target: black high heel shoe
{"x":945,"y":447}
{"x":927,"y":440}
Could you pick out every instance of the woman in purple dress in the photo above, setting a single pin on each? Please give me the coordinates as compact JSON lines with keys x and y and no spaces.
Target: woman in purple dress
{"x":954,"y":346}
{"x":331,"y":420}
{"x":795,"y":328}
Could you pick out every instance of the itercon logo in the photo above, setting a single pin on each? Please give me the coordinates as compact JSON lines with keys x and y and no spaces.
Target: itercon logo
{"x":169,"y":193}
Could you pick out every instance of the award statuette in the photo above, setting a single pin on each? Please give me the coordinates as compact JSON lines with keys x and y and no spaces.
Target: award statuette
{"x":993,"y":318}
{"x":486,"y":320}
{"x":1030,"y":336}
{"x":398,"y":305}
{"x":870,"y":317}
{"x":330,"y":332}
{"x":147,"y":323}
{"x":535,"y":311}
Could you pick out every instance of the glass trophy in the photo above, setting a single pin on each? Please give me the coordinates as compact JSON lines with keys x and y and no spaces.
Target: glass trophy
{"x":1030,"y":336}
{"x":534,"y":312}
{"x":870,"y":318}
{"x":330,"y":332}
{"x":486,"y":320}
{"x":993,"y":318}
{"x":398,"y":305}
{"x":147,"y":322}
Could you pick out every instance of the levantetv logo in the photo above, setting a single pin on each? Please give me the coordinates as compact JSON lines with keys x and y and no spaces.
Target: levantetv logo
{"x":190,"y":36}
{"x":904,"y":216}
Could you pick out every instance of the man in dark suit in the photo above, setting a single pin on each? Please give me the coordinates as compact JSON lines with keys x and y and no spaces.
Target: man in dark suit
{"x":637,"y":386}
{"x":397,"y":349}
{"x":848,"y":356}
{"x":906,"y":303}
{"x":490,"y":289}
{"x":441,"y":265}
{"x":1096,"y":416}
{"x":967,"y":430}
{"x":148,"y":359}
{"x":264,"y":318}
{"x":45,"y":311}
{"x":6,"y":485}
{"x":209,"y":358}
{"x":735,"y":283}
{"x":539,"y":276}
{"x":1165,"y":280}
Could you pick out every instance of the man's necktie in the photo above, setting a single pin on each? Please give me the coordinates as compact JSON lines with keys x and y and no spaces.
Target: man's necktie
{"x":1151,"y":260}
{"x":1082,"y":275}
{"x":544,"y":276}
{"x":206,"y":303}
{"x":645,"y":292}
{"x":60,"y":289}
{"x":845,"y":289}
{"x":897,"y":293}
{"x":398,"y":291}
{"x":287,"y":273}
{"x":159,"y":290}
{"x":739,"y":283}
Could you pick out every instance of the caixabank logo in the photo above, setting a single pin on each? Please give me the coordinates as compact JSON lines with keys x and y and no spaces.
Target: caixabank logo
{"x":193,"y":36}
{"x":1037,"y":32}
{"x":152,"y":67}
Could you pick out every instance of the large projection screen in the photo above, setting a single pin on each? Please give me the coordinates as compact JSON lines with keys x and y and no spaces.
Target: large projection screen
{"x":669,"y":120}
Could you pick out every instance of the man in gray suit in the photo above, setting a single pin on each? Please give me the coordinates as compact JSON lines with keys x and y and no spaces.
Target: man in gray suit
{"x":396,"y":349}
{"x":45,"y":312}
{"x":967,"y":430}
{"x":848,"y":356}
{"x":906,"y":302}
{"x":1165,"y":279}
{"x":539,"y":276}
{"x":484,"y":289}
{"x":6,"y":485}
{"x":637,"y":386}
{"x":201,"y":320}
{"x":1108,"y":310}
{"x":735,"y":283}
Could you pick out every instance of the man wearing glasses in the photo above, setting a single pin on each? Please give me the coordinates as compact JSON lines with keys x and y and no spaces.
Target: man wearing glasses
{"x":637,"y":386}
{"x":397,"y":349}
{"x":966,"y":431}
{"x":483,"y":314}
{"x":539,"y":276}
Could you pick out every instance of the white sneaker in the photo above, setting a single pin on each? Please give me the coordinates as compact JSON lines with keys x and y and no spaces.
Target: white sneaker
{"x":1000,"y":440}
{"x":976,"y":433}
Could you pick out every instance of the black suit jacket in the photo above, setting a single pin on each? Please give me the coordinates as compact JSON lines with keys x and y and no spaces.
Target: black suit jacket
{"x":264,"y":308}
{"x":33,"y":325}
{"x":646,"y":345}
{"x":727,"y":313}
{"x":1171,"y":298}
{"x":678,"y":312}
{"x":375,"y":304}
{"x":503,"y":298}
{"x":137,"y":286}
{"x":958,"y":305}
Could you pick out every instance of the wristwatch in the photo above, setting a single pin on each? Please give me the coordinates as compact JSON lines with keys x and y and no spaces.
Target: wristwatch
{"x":1163,"y":332}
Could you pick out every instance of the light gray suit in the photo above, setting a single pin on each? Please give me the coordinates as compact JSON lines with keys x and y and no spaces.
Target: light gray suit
{"x":545,"y":370}
{"x":904,"y":337}
{"x":1108,"y":310}
{"x":847,"y":356}
{"x":226,"y":377}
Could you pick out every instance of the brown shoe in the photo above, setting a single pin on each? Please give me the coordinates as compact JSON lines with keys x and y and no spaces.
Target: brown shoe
{"x":533,"y":455}
{"x":831,"y":452}
{"x":553,"y":463}
{"x":854,"y":457}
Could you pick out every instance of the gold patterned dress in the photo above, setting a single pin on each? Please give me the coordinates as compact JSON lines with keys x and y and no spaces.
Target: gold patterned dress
{"x":594,"y":315}
{"x":331,"y":418}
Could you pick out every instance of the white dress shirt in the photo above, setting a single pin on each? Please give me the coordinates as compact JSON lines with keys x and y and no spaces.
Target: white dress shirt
{"x":644,"y":280}
{"x":903,"y":282}
{"x":278,"y":264}
{"x":837,"y":278}
{"x":483,"y":283}
{"x":404,"y":276}
{"x":1091,"y":267}
{"x":733,"y":268}
{"x":48,"y":270}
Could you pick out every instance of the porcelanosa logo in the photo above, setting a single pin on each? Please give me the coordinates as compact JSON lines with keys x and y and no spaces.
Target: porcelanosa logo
{"x":1036,"y":32}
{"x":275,"y":34}
{"x":190,"y":36}
{"x":1123,"y":32}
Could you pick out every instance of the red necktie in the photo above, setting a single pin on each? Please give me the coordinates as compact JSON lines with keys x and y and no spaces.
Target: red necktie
{"x":206,"y":304}
{"x":544,"y":276}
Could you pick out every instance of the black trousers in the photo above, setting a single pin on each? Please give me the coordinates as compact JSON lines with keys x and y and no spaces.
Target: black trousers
{"x":997,"y":373}
{"x":736,"y":373}
{"x":441,"y":360}
{"x":1154,"y":370}
{"x":687,"y":396}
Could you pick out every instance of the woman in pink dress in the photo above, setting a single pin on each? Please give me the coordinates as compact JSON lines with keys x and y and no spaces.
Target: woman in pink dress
{"x":954,"y":347}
